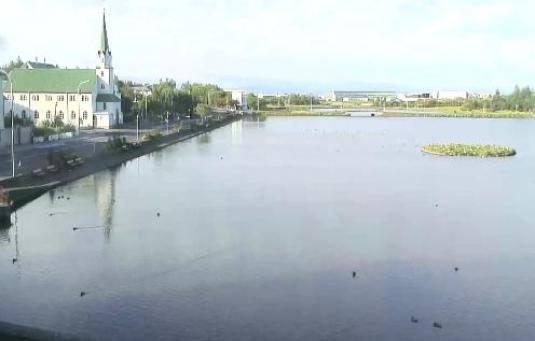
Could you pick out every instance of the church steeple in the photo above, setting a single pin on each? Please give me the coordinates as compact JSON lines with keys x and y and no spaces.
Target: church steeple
{"x":104,"y":68}
{"x":104,"y":46}
{"x":104,"y":53}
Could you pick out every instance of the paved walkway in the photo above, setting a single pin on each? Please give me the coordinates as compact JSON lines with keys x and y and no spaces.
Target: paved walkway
{"x":88,"y":143}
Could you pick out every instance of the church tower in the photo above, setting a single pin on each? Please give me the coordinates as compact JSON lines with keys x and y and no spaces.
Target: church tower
{"x":104,"y":66}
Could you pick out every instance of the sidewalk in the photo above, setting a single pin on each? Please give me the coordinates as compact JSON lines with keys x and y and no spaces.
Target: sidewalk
{"x":90,"y":142}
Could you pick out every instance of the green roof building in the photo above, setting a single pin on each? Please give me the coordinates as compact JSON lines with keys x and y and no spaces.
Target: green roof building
{"x":85,"y":98}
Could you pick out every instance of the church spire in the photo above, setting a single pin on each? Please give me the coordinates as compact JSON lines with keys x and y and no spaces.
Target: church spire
{"x":104,"y":47}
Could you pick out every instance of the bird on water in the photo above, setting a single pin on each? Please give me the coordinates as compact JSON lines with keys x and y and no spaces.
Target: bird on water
{"x":354,"y":274}
{"x":437,"y":325}
{"x":414,"y":319}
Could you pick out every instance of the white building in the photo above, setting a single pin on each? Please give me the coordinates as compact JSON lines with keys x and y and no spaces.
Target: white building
{"x":450,"y":95}
{"x":359,"y":96}
{"x":142,"y":90}
{"x":240,"y":96}
{"x":85,"y":97}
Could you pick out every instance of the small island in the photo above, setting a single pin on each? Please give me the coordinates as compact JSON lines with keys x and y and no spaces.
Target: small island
{"x":468,"y":150}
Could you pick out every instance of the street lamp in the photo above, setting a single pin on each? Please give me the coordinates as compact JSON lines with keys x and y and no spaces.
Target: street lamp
{"x":12,"y":123}
{"x":137,"y":119}
{"x":79,"y":93}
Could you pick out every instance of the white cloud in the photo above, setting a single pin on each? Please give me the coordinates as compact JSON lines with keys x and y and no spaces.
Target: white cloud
{"x":408,"y":43}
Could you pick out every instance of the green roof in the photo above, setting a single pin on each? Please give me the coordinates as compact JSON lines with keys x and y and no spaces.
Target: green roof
{"x":107,"y":98}
{"x":53,"y":80}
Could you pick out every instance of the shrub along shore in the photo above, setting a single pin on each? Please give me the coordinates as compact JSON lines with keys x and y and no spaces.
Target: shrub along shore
{"x":468,"y":150}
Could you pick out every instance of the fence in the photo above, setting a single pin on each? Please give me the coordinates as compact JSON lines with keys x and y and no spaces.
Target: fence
{"x":23,"y":135}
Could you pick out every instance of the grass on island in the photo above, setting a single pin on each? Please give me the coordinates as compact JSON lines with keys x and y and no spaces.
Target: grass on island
{"x":468,"y":150}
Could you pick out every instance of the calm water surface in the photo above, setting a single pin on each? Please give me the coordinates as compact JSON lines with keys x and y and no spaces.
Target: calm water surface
{"x":262,"y":224}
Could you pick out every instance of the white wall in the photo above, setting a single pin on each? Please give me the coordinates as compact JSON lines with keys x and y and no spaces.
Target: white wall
{"x":240,"y":97}
{"x":23,"y":135}
{"x":38,"y":102}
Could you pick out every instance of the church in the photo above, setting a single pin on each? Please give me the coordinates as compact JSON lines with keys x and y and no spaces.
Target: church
{"x":84,"y":98}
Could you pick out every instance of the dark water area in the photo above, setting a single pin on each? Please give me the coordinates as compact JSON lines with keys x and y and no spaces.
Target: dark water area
{"x":262,"y":224}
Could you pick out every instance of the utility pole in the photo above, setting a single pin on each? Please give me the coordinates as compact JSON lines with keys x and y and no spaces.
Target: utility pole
{"x":289,"y":101}
{"x":167,"y":122}
{"x":137,"y":119}
{"x":146,"y":111}
{"x":257,"y":102}
{"x":79,"y":100}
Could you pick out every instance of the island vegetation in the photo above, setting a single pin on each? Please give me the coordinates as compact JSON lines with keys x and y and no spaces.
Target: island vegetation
{"x":468,"y":150}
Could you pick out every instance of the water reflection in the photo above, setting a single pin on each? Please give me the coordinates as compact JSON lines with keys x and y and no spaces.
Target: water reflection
{"x":5,"y":226}
{"x":204,"y":138}
{"x":236,"y":130}
{"x":104,"y":184}
{"x":265,"y":239}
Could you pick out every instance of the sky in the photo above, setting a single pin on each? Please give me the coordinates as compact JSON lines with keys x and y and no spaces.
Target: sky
{"x":286,"y":45}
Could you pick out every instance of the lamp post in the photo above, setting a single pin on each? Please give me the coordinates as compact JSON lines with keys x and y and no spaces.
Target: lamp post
{"x":12,"y":123}
{"x":167,"y":122}
{"x":79,"y":93}
{"x":137,"y":120}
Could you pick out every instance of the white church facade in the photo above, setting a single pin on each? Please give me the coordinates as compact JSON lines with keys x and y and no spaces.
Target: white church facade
{"x":85,"y":98}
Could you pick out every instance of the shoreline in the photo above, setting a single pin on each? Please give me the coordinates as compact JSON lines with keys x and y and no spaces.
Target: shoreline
{"x":26,"y":187}
{"x":401,"y":114}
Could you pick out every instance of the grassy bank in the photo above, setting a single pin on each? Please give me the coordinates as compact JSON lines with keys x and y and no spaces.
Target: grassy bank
{"x":468,"y":150}
{"x":303,"y":113}
{"x":458,"y":112}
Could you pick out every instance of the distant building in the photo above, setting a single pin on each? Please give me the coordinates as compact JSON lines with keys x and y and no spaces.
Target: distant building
{"x":359,"y":96}
{"x":38,"y":65}
{"x":240,"y":97}
{"x":414,"y":97}
{"x":451,"y":95}
{"x":266,"y":96}
{"x":143,"y":90}
{"x":88,"y":97}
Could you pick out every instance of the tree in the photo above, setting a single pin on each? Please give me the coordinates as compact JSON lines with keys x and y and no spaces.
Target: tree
{"x":18,"y":63}
{"x":203,"y":110}
{"x":127,"y":98}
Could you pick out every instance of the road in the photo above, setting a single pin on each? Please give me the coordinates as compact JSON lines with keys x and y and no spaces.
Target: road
{"x":88,"y":143}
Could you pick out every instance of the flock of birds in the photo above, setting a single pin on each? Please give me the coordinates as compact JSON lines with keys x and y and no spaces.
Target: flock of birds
{"x":415,"y":320}
{"x":436,"y":324}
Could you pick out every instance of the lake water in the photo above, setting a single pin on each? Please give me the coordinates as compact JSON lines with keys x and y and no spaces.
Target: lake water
{"x":261,"y":225}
